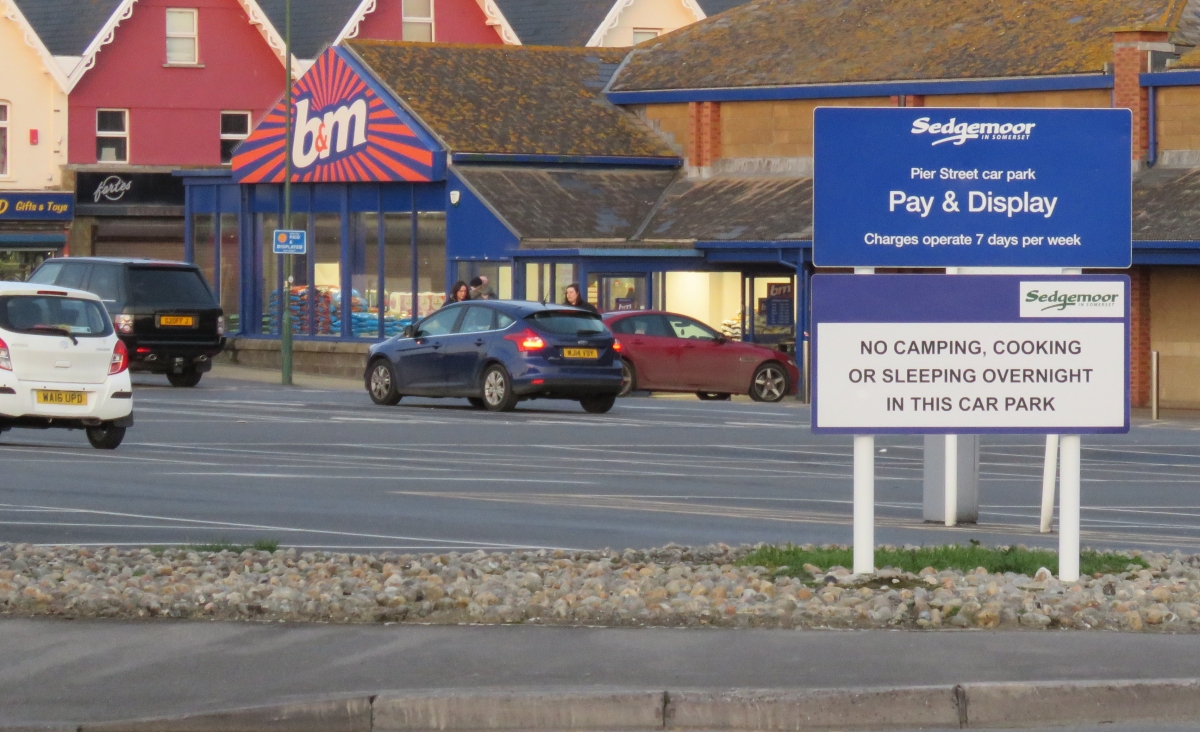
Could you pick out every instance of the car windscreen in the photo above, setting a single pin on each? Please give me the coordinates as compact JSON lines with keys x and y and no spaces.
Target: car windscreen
{"x":168,"y":287}
{"x":568,"y":322}
{"x":54,"y":315}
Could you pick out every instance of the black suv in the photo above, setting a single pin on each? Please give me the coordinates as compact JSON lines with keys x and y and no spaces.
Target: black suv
{"x":163,"y":311}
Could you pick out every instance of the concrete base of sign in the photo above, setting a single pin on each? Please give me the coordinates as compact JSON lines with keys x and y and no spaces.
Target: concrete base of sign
{"x":935,"y":479}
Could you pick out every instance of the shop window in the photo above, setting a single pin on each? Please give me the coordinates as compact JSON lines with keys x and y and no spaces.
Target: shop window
{"x":112,"y":135}
{"x":268,"y":322}
{"x":499,"y":276}
{"x":365,"y":308}
{"x":182,"y":37}
{"x":418,"y":20}
{"x":398,"y":270}
{"x":235,"y":127}
{"x":641,"y":35}
{"x":204,"y":245}
{"x":231,"y":272}
{"x":617,"y":292}
{"x":431,"y":262}
{"x":325,"y":317}
{"x":3,"y":138}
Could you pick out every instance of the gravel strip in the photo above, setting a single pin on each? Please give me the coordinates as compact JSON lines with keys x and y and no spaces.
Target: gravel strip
{"x":671,"y":586}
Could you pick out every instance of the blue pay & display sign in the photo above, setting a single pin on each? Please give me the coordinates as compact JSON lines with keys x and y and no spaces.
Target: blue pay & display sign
{"x":287,"y":241}
{"x":944,"y":187}
{"x":966,"y":354}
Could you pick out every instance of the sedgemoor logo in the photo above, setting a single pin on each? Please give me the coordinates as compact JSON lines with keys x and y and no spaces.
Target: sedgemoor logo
{"x":958,"y":133}
{"x":1081,"y":299}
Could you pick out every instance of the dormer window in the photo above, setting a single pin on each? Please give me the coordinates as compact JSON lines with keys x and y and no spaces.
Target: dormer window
{"x":418,"y":20}
{"x":183,"y":46}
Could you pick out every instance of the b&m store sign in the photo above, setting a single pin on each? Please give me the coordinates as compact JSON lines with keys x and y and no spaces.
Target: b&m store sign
{"x":345,"y":129}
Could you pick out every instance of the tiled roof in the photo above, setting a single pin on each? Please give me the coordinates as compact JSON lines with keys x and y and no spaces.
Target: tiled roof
{"x":786,"y":42}
{"x":712,"y":7}
{"x":315,"y":23}
{"x":734,"y":209}
{"x":513,"y":100}
{"x":1166,"y":205}
{"x":554,"y":22}
{"x":67,"y":27}
{"x":573,"y":204}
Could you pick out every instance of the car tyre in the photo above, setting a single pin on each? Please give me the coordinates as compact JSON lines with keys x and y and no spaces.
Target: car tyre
{"x":598,"y":404}
{"x":628,"y":378}
{"x":497,"y":390}
{"x":708,"y":396}
{"x":187,"y":379}
{"x":477,"y":402}
{"x":106,"y":437}
{"x":381,"y":384}
{"x":770,"y":383}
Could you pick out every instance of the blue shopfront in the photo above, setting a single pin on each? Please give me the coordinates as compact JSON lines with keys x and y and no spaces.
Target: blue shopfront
{"x":394,"y":216}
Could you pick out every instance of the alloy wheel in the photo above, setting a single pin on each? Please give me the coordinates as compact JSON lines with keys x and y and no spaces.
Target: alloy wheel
{"x":381,"y":382}
{"x":770,"y":383}
{"x":494,"y":388}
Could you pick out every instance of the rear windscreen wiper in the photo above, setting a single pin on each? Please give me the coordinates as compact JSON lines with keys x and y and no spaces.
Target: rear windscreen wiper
{"x":56,"y":330}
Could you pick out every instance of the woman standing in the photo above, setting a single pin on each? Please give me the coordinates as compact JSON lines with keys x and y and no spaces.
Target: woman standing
{"x":459,"y":293}
{"x":574,"y":298}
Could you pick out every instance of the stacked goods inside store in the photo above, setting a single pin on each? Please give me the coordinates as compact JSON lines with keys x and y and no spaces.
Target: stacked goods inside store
{"x":364,"y":321}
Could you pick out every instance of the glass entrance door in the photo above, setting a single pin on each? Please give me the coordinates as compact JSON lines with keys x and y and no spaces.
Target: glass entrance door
{"x":618,"y":292}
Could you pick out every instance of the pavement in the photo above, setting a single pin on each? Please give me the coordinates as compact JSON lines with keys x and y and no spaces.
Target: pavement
{"x":240,"y":458}
{"x":56,"y":672}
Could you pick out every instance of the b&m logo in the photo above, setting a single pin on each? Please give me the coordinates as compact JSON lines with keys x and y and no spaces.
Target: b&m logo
{"x":328,"y":136}
{"x":344,"y":132}
{"x":958,"y":133}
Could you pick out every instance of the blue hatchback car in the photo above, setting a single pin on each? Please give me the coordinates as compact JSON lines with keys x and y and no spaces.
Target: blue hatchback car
{"x":497,"y":353}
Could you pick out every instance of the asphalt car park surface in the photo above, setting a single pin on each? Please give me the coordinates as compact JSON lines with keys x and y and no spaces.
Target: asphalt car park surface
{"x":240,"y":460}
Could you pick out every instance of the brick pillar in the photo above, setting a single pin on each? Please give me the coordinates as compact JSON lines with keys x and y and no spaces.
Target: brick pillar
{"x":704,"y":137}
{"x":1139,"y":336}
{"x":1131,"y":57}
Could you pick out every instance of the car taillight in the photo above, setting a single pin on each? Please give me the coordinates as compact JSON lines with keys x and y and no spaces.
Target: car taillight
{"x":120,"y":359}
{"x":220,"y":325}
{"x":617,"y":346}
{"x":526,"y":340}
{"x":123,"y":323}
{"x":5,"y":361}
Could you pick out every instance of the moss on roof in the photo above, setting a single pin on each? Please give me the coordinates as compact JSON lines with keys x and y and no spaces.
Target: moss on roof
{"x":514,"y":100}
{"x":785,"y":42}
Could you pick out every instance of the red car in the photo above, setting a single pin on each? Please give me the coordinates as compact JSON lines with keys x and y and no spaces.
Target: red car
{"x":669,"y":352}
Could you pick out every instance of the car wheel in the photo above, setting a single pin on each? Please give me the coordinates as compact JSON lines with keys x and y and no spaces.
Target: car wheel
{"x":476,"y":402}
{"x":105,"y":437}
{"x":381,"y":384}
{"x":770,"y":383}
{"x":598,"y":404}
{"x":628,"y":378}
{"x":708,"y":396}
{"x":186,"y":379}
{"x":498,"y":394}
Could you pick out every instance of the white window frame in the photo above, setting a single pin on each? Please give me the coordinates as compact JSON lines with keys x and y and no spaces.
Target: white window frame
{"x":249,"y":124}
{"x":656,"y":31}
{"x":116,"y":135}
{"x":5,"y":126}
{"x":194,"y":35}
{"x":406,"y":19}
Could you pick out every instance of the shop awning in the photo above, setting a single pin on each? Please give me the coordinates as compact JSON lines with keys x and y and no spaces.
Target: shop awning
{"x":33,"y":240}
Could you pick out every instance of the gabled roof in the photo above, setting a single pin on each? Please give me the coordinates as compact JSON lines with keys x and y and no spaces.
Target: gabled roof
{"x":12,"y":11}
{"x":68,"y":27}
{"x":793,"y":42}
{"x":316,"y":24}
{"x":512,"y":100}
{"x":555,"y":22}
{"x":712,"y":7}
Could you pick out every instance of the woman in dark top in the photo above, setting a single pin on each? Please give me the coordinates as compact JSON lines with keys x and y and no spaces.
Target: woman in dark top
{"x":574,"y":298}
{"x":459,"y":293}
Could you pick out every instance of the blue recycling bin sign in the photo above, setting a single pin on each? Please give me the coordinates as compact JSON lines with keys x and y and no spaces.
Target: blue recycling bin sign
{"x":288,"y":241}
{"x":953,"y":187}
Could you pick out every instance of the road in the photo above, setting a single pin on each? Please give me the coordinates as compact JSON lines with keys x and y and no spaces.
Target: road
{"x":239,"y":460}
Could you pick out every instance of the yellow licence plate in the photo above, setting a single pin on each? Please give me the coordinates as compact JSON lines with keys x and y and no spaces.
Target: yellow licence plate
{"x":580,"y":353}
{"x":184,"y":321}
{"x":72,"y":398}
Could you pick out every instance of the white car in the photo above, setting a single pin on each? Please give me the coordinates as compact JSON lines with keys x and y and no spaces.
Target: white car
{"x":61,"y":364}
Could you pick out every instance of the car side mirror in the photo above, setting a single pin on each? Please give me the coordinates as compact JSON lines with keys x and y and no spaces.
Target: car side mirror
{"x":409,"y":331}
